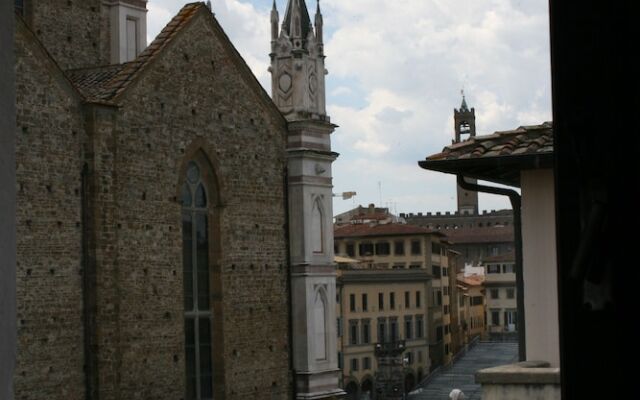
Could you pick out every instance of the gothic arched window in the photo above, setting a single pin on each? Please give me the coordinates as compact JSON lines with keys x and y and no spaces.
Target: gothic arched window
{"x":197,"y":293}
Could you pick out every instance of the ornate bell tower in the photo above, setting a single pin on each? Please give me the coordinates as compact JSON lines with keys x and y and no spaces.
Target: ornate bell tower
{"x":465,"y":124}
{"x":298,"y":89}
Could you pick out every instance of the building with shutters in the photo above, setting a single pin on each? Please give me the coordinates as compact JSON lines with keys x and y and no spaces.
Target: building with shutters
{"x":393,"y":285}
{"x":501,"y":297}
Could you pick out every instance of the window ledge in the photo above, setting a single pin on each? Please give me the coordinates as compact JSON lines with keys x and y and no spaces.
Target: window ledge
{"x":523,"y":373}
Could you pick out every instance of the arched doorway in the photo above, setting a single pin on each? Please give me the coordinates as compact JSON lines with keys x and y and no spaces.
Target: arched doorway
{"x":409,"y":382}
{"x":366,"y":389}
{"x":420,"y":375}
{"x":352,"y":391}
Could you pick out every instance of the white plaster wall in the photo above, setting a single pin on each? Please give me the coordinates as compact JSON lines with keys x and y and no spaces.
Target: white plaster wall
{"x":539,"y":266}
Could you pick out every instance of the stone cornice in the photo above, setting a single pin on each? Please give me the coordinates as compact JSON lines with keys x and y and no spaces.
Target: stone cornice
{"x":318,"y":154}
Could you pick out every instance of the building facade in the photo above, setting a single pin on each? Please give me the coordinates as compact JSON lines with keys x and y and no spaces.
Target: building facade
{"x":381,"y":306}
{"x":475,"y":237}
{"x":501,"y":295}
{"x":472,"y":306}
{"x":153,"y":227}
{"x":397,"y":290}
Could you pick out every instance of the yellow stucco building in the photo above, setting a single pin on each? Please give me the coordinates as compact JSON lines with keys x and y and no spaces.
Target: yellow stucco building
{"x":500,"y":282}
{"x":392,"y":286}
{"x":472,"y":305}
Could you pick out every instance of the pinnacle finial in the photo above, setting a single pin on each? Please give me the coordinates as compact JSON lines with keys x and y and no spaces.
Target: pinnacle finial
{"x":274,"y":5}
{"x":463,"y":106}
{"x":209,"y":4}
{"x":318,"y":8}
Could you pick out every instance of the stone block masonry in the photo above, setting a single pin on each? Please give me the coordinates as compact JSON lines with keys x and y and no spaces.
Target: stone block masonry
{"x":192,"y":100}
{"x":49,"y":132}
{"x":73,"y":31}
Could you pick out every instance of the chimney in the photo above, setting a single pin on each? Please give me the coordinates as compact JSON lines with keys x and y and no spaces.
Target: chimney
{"x":372,"y":208}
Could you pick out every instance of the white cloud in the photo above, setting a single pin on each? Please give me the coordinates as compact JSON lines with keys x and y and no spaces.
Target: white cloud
{"x":341,"y":91}
{"x":414,"y":56}
{"x":396,"y":69}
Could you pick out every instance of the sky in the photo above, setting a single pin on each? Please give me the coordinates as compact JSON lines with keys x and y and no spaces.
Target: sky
{"x":396,"y":71}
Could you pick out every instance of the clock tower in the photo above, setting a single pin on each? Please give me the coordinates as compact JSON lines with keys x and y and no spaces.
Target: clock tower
{"x":298,"y":89}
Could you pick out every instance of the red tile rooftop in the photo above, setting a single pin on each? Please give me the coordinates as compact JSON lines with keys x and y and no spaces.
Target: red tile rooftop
{"x":104,"y":84}
{"x":523,"y":140}
{"x":498,"y":157}
{"x":471,"y":280}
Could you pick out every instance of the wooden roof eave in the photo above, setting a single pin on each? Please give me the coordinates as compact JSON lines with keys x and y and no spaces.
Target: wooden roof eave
{"x":500,"y":169}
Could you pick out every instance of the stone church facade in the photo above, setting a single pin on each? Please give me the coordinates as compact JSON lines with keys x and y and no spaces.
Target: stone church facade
{"x":173,"y":222}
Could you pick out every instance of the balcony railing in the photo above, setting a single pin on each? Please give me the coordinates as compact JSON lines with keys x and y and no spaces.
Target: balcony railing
{"x":390,"y":349}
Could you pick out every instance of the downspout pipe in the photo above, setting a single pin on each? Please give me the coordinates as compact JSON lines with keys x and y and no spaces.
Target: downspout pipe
{"x":516,"y":204}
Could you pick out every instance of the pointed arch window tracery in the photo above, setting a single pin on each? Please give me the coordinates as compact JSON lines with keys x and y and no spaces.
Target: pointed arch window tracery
{"x":198,"y":315}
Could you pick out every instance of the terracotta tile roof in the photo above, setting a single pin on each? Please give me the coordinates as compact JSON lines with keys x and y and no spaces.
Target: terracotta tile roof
{"x":103,"y":84}
{"x":360,"y":230}
{"x":498,"y":157}
{"x":91,"y":82}
{"x":376,"y":216}
{"x":510,"y":256}
{"x":494,"y":234}
{"x":471,"y":280}
{"x":524,"y":140}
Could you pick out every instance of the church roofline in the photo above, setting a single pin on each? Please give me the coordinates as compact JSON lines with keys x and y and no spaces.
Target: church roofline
{"x":117,"y":86}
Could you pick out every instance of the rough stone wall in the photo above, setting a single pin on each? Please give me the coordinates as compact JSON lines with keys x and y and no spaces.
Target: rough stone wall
{"x":70,"y":30}
{"x":191,"y":97}
{"x":49,"y":297}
